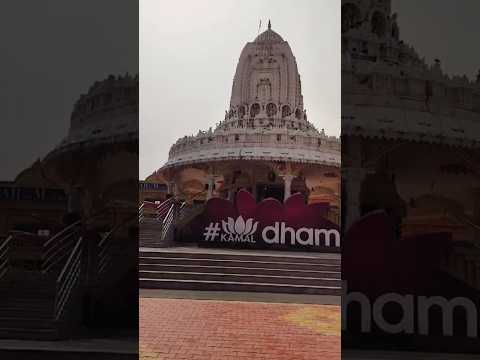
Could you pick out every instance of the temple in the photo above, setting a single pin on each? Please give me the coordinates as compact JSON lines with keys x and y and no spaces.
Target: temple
{"x":265,"y":144}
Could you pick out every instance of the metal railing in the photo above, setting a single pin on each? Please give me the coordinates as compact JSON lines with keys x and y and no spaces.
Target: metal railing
{"x":68,"y":279}
{"x":59,"y":246}
{"x":159,"y":210}
{"x":104,"y":247}
{"x":140,"y":212}
{"x":164,"y":208}
{"x":4,"y":255}
{"x":68,"y":242}
{"x":168,"y":221}
{"x":143,"y":207}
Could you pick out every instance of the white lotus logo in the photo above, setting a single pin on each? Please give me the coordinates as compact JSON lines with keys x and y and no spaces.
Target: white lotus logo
{"x":239,"y":226}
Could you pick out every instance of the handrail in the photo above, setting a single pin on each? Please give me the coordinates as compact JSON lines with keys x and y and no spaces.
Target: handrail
{"x":163,"y":208}
{"x":167,"y":222}
{"x":169,"y":219}
{"x":58,"y":251}
{"x":67,"y":264}
{"x":58,"y":246}
{"x":68,"y":278}
{"x":115,"y":228}
{"x":4,"y":255}
{"x":140,"y":212}
{"x":62,"y":232}
{"x":105,"y":243}
{"x":160,"y":209}
{"x":76,"y":223}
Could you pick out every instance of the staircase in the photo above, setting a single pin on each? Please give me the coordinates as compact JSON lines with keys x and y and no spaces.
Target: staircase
{"x":39,"y":300}
{"x":28,"y":312}
{"x":218,"y":270}
{"x":150,"y":232}
{"x":157,"y":231}
{"x":44,"y":281}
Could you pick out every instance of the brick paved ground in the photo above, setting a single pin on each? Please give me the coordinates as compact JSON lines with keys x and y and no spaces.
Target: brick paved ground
{"x":203,"y":329}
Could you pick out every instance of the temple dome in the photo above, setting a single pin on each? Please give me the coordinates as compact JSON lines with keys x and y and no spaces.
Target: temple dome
{"x":268,"y":36}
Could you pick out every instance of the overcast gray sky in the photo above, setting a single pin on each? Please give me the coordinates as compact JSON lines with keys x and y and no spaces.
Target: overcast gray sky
{"x":447,"y":30}
{"x":189,"y":51}
{"x":51,"y":51}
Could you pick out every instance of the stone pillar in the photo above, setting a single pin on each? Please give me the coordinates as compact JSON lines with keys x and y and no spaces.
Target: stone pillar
{"x":476,"y":211}
{"x":353,"y":173}
{"x":287,"y":179}
{"x":253,"y":182}
{"x":231,"y":193}
{"x":74,"y":200}
{"x":172,"y":188}
{"x":210,"y":185}
{"x":352,"y":183}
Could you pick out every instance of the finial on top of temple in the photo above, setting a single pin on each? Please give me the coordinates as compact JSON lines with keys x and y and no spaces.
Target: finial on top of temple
{"x":269,"y":24}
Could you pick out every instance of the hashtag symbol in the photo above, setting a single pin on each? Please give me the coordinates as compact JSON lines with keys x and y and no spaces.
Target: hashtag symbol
{"x":211,"y":231}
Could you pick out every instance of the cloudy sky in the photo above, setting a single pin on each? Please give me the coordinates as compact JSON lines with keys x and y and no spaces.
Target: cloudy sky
{"x":189,"y":51}
{"x":51,"y":52}
{"x":447,"y":30}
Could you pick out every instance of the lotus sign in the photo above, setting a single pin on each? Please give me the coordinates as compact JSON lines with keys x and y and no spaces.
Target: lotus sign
{"x":268,"y":224}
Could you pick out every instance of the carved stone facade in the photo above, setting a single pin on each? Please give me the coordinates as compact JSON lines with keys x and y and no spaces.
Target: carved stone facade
{"x":402,"y":96}
{"x":395,"y":107}
{"x":104,"y":121}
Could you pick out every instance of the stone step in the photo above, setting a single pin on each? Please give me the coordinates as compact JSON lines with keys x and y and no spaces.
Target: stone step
{"x":240,"y":270}
{"x":148,"y":242}
{"x":32,"y":322}
{"x":242,"y":278}
{"x":269,"y":263}
{"x":237,"y":286}
{"x":26,"y":303}
{"x":12,"y":314}
{"x":252,"y":271}
{"x":278,"y":258}
{"x":13,"y":331}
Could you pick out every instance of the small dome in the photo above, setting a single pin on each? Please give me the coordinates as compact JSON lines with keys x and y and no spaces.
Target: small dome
{"x":268,"y":36}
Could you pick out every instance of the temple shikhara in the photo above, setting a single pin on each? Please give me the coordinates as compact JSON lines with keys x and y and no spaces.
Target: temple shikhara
{"x":265,"y":144}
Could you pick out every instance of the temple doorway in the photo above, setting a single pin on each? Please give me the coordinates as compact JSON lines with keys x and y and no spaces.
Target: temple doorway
{"x":270,"y":191}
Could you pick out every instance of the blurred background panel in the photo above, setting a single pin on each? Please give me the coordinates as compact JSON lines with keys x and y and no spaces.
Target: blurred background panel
{"x":69,"y":177}
{"x":410,"y":175}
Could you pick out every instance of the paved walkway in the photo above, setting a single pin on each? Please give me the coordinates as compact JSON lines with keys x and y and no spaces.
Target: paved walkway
{"x":243,"y":296}
{"x":179,"y":329}
{"x":395,"y":355}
